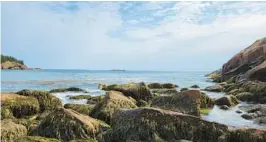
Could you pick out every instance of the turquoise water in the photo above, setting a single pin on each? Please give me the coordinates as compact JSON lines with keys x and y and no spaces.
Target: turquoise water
{"x":15,"y":80}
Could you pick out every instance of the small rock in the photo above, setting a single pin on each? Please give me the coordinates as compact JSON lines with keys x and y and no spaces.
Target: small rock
{"x":215,"y":88}
{"x":238,"y":111}
{"x":247,"y":116}
{"x":224,"y":107}
{"x":226,"y":100}
{"x":194,"y":86}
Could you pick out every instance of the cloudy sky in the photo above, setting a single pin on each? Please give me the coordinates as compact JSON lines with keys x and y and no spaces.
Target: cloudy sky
{"x":130,"y":35}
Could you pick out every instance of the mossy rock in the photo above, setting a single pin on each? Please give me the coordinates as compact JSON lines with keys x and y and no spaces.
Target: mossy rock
{"x":67,"y":124}
{"x":93,"y":100}
{"x":10,"y":130}
{"x":215,"y":88}
{"x":142,"y":103}
{"x":169,"y":85}
{"x":81,"y":108}
{"x":258,"y":89}
{"x":245,"y":96}
{"x":194,"y":86}
{"x":155,"y":86}
{"x":227,"y":100}
{"x":46,"y":100}
{"x":165,"y":91}
{"x":183,"y":89}
{"x":112,"y":101}
{"x":13,"y":105}
{"x":78,"y":97}
{"x":236,"y":91}
{"x":150,"y":125}
{"x":187,"y":102}
{"x":35,"y":139}
{"x":138,"y":91}
{"x":206,"y":101}
{"x":247,"y":135}
{"x":72,"y":89}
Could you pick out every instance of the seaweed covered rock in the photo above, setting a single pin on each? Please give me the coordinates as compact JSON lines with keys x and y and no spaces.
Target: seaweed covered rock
{"x":112,"y":101}
{"x":67,"y":124}
{"x":151,"y":124}
{"x":206,"y":101}
{"x":78,"y":97}
{"x":164,"y":91}
{"x":194,"y":86}
{"x":13,"y":105}
{"x":258,"y":89}
{"x":215,"y":75}
{"x":155,"y":86}
{"x":95,"y":99}
{"x":169,"y":85}
{"x":81,"y":108}
{"x":187,"y":102}
{"x":247,"y":135}
{"x":245,"y":96}
{"x":73,"y":89}
{"x":227,"y":100}
{"x":46,"y":100}
{"x":215,"y":88}
{"x":35,"y":139}
{"x":137,"y":91}
{"x":10,"y":130}
{"x":183,"y":89}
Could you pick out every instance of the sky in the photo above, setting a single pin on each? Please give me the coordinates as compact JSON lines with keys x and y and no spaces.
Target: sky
{"x":163,"y":36}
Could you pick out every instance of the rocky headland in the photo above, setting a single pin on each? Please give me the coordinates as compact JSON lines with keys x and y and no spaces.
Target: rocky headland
{"x":11,"y":63}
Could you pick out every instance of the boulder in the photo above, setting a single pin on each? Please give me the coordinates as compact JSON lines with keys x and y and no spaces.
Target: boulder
{"x":215,"y":88}
{"x":247,"y":135}
{"x":206,"y":101}
{"x":35,"y":139}
{"x":245,"y":60}
{"x":194,"y":86}
{"x":67,"y":124}
{"x":256,"y":73}
{"x":187,"y":102}
{"x":169,"y":85}
{"x":81,"y":108}
{"x":70,"y":89}
{"x":10,"y":130}
{"x":183,"y":89}
{"x":155,"y":86}
{"x":245,"y":96}
{"x":247,"y":116}
{"x":13,"y":105}
{"x":151,"y":124}
{"x":95,"y":99}
{"x":258,"y":89}
{"x":227,"y":100}
{"x":164,"y":91}
{"x":138,"y":91}
{"x":112,"y":101}
{"x":78,"y":97}
{"x":46,"y":100}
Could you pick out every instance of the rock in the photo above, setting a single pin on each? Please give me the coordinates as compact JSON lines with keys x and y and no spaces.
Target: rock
{"x":215,"y":88}
{"x":183,"y":89}
{"x":71,"y":89}
{"x":247,"y":116}
{"x":45,"y":99}
{"x":234,"y":92}
{"x":238,"y":111}
{"x":13,"y":105}
{"x":138,"y":91}
{"x":67,"y":124}
{"x":151,"y":124}
{"x":247,"y":135}
{"x":165,"y":91}
{"x":215,"y":76}
{"x":112,"y":101}
{"x":245,"y":60}
{"x":227,"y":100}
{"x":194,"y":86}
{"x":155,"y":86}
{"x":81,"y":108}
{"x":13,"y":65}
{"x":142,"y":103}
{"x":102,"y":86}
{"x":35,"y":139}
{"x":224,"y":107}
{"x":258,"y":89}
{"x":78,"y":97}
{"x":256,"y":73}
{"x":206,"y":101}
{"x":169,"y":85}
{"x":261,"y":120}
{"x":11,"y":130}
{"x":187,"y":102}
{"x":95,"y":99}
{"x":245,"y":96}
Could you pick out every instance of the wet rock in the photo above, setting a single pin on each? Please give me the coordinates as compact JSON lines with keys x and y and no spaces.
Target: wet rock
{"x":247,"y":116}
{"x":73,"y":89}
{"x":215,"y":88}
{"x":45,"y":99}
{"x":194,"y":86}
{"x":81,"y":108}
{"x":10,"y":130}
{"x":150,"y":124}
{"x":169,"y":85}
{"x":112,"y":101}
{"x":138,"y":91}
{"x":206,"y":101}
{"x":227,"y":100}
{"x":238,"y":111}
{"x":155,"y":86}
{"x":247,"y":135}
{"x":187,"y":102}
{"x":67,"y":124}
{"x":35,"y":139}
{"x":13,"y":105}
{"x":224,"y":107}
{"x":245,"y":96}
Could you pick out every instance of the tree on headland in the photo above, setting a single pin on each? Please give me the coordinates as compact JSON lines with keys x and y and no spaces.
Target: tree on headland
{"x":11,"y":59}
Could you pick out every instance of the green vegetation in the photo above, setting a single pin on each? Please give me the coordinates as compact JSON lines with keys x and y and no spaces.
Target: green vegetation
{"x":205,"y":111}
{"x":11,"y":59}
{"x":81,"y":108}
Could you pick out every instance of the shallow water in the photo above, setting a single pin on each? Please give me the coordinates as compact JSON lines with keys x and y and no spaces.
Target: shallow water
{"x":15,"y":80}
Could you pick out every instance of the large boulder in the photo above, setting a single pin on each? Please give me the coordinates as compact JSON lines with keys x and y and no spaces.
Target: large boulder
{"x":138,"y":91}
{"x":112,"y":101}
{"x":156,"y":125}
{"x":13,"y":105}
{"x":10,"y":130}
{"x":187,"y":102}
{"x":215,"y":88}
{"x":245,"y":60}
{"x":46,"y":100}
{"x":67,"y":124}
{"x":227,"y":100}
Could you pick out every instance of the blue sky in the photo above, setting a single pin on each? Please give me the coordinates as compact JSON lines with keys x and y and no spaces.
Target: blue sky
{"x":130,"y":35}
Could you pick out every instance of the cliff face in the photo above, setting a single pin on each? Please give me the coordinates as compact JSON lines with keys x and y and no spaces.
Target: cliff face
{"x":248,"y":64}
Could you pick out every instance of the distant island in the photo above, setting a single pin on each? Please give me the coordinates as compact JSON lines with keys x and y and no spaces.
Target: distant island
{"x":9,"y":62}
{"x":117,"y":70}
